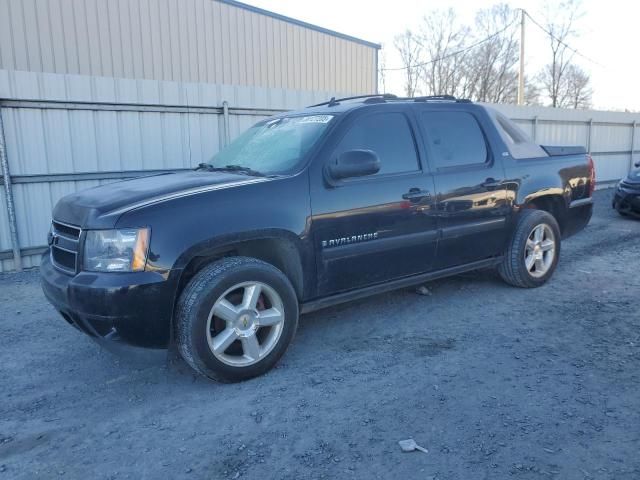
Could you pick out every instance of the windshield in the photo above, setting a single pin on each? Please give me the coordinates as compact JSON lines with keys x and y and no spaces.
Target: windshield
{"x":274,"y":146}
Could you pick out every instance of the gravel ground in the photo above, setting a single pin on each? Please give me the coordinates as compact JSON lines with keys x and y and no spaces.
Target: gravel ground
{"x":496,"y":382}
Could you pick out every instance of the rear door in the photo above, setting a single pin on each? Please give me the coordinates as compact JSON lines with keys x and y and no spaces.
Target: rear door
{"x":471,"y":193}
{"x":372,"y":229}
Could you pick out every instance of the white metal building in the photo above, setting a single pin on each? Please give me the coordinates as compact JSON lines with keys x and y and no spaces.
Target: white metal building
{"x":204,"y":41}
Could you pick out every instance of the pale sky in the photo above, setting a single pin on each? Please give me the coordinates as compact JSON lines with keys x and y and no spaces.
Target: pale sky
{"x":607,"y":35}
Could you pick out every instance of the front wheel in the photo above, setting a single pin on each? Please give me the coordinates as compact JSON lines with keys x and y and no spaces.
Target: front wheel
{"x":532,"y":255}
{"x":235,"y":319}
{"x":622,"y":210}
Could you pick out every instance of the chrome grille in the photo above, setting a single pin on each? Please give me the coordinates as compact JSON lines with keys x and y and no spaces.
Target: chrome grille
{"x":65,"y":242}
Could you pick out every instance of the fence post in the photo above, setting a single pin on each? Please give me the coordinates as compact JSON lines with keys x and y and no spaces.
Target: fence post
{"x":633,"y":141}
{"x":589,"y":135}
{"x":535,"y":128}
{"x":225,"y":118}
{"x":11,"y":213}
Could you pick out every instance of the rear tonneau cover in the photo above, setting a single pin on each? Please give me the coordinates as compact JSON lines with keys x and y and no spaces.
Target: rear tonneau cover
{"x":555,"y":151}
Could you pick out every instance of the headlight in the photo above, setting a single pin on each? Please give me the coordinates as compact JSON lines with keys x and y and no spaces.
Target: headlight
{"x":116,"y":250}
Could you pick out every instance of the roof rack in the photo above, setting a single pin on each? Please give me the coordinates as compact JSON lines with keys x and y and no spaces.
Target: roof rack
{"x":336,"y":101}
{"x":384,"y":97}
{"x":436,"y":98}
{"x":447,"y":98}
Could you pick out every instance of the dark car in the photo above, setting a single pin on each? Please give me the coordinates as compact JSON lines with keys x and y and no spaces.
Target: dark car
{"x":626,"y":199}
{"x":308,"y":209}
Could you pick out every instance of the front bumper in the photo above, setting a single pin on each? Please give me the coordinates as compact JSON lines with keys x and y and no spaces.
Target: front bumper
{"x":627,"y":200}
{"x":135,"y":308}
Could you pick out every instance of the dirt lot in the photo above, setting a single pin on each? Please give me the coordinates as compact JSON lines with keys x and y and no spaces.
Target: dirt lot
{"x":495,"y":381}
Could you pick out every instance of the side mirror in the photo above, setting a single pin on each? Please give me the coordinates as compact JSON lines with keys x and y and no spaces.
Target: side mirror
{"x":637,"y":164}
{"x":354,"y":163}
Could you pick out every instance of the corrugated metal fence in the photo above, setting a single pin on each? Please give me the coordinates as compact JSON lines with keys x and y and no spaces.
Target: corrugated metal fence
{"x":67,"y":132}
{"x":610,"y":137}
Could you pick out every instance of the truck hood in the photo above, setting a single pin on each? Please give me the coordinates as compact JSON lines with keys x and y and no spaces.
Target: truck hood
{"x":112,"y":200}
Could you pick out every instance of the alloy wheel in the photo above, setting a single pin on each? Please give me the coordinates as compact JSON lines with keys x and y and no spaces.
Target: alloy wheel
{"x":245,"y":323}
{"x":540,"y":250}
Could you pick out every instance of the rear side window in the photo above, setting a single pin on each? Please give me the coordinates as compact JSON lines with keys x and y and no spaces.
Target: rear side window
{"x":389,"y":136}
{"x":454,"y":139}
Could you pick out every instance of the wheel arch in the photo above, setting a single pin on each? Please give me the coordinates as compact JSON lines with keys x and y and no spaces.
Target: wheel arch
{"x":281,"y":249}
{"x":553,"y":202}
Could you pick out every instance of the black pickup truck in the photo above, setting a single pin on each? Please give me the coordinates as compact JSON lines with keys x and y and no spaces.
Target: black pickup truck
{"x":305,"y":210}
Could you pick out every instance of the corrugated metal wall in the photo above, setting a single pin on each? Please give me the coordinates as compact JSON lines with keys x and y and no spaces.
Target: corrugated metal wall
{"x":204,"y":41}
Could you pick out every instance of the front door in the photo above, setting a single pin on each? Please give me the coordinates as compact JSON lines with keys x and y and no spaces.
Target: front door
{"x":373,"y":229}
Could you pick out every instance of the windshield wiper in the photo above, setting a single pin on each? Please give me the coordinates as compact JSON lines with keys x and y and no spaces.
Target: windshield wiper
{"x":241,"y":169}
{"x":230,"y":168}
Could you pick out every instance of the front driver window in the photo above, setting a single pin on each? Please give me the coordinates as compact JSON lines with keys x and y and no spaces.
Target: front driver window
{"x":389,"y":136}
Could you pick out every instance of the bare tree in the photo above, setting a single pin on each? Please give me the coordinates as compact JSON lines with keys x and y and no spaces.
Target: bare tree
{"x":531,"y":93}
{"x":490,"y":67}
{"x":480,"y":62}
{"x":442,"y":38}
{"x":382,"y":71}
{"x":576,"y":88}
{"x":477,"y":63}
{"x":410,"y":51}
{"x":560,"y":23}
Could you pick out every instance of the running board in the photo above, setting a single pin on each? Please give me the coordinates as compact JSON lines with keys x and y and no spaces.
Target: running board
{"x":344,"y":297}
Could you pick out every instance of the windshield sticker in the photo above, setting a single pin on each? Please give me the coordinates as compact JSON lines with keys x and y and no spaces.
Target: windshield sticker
{"x":313,"y":119}
{"x":273,"y":123}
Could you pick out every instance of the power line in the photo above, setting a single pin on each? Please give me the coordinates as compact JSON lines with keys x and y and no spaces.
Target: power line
{"x":569,"y":47}
{"x":452,"y":54}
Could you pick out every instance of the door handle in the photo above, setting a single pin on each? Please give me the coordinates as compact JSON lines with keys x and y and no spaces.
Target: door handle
{"x":416,"y":194}
{"x":492,"y":183}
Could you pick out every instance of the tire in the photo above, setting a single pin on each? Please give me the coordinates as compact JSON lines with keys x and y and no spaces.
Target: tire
{"x":515,"y":269}
{"x":224,"y":307}
{"x":621,"y":212}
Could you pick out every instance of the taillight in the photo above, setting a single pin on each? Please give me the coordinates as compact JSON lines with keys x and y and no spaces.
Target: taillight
{"x":592,"y":176}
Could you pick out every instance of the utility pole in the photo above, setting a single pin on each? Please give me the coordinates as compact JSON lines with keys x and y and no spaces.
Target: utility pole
{"x":521,"y":71}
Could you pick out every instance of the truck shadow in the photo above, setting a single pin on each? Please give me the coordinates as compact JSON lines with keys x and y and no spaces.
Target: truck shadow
{"x":438,"y":290}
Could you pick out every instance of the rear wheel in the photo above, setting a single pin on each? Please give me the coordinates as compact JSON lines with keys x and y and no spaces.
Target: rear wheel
{"x":236,"y":318}
{"x":534,"y":250}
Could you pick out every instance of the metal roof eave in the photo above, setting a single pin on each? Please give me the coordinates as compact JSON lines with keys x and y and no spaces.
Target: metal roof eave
{"x":300,"y":23}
